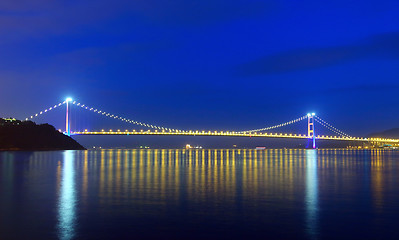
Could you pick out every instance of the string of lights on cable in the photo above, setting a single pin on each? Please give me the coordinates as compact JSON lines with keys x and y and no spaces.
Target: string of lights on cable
{"x":45,"y":111}
{"x":113,"y":116}
{"x":331,"y":129}
{"x":276,"y":126}
{"x":106,"y":114}
{"x":336,"y":130}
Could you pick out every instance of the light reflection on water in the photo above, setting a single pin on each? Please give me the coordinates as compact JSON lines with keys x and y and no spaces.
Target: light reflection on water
{"x":311,"y":193}
{"x":67,"y":199}
{"x":278,"y":194}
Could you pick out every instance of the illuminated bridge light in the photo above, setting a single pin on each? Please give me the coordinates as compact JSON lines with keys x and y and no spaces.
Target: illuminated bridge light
{"x":255,"y":132}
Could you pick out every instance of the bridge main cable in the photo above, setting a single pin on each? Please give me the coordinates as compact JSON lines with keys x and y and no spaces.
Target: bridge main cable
{"x":275,"y":126}
{"x":124,"y":119}
{"x":318,"y":119}
{"x":331,"y":127}
{"x":45,"y":111}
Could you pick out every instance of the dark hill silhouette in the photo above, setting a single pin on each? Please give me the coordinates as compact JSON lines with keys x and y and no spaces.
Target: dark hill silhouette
{"x":26,"y":135}
{"x":391,"y":133}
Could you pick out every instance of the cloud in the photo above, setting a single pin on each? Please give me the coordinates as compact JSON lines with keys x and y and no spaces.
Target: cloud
{"x":386,"y":46}
{"x":200,"y":11}
{"x":22,"y":18}
{"x":383,"y":87}
{"x":31,"y":19}
{"x":102,"y":55}
{"x":26,"y":5}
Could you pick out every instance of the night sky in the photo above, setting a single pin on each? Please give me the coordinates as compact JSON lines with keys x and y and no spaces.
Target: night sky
{"x":206,"y":64}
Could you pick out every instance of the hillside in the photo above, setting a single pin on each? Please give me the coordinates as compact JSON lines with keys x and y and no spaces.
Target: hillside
{"x":26,"y":135}
{"x":391,"y":133}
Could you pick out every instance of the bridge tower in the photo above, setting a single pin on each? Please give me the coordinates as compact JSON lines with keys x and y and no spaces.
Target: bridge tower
{"x":67,"y":122}
{"x":311,"y":133}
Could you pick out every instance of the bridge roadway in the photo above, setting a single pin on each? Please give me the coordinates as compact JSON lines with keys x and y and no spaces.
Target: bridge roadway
{"x":235,"y":134}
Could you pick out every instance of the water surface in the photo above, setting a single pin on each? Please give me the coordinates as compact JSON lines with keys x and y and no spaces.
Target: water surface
{"x":197,"y":194}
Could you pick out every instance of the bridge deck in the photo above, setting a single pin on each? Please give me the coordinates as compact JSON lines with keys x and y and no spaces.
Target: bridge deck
{"x":236,"y":134}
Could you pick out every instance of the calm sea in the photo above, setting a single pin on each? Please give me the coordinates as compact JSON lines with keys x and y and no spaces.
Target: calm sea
{"x":200,"y":194}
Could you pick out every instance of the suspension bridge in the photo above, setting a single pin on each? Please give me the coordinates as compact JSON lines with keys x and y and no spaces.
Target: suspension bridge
{"x":152,"y":129}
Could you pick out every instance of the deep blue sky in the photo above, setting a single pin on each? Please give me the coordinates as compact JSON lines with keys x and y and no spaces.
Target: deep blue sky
{"x":205,"y":64}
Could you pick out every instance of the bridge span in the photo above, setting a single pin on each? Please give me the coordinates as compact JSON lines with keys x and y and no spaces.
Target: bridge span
{"x":237,"y":134}
{"x":311,"y":119}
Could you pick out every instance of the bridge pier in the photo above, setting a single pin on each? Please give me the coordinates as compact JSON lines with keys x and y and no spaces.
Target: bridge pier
{"x":67,"y":123}
{"x":311,"y":133}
